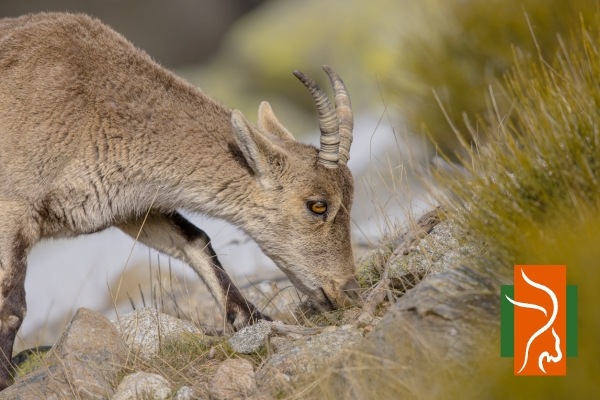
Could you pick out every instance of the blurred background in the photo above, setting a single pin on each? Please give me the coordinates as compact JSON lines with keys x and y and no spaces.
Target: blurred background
{"x":404,"y":63}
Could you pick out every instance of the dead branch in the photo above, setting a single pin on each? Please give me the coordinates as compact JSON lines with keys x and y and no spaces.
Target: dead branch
{"x":296,"y":330}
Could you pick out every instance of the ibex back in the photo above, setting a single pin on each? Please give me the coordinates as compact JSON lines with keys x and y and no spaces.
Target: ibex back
{"x":93,"y":134}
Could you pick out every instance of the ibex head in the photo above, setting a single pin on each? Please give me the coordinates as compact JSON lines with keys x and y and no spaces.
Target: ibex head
{"x":303,"y":196}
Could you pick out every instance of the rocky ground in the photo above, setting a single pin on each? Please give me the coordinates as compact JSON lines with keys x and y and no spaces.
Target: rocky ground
{"x":429,"y":296}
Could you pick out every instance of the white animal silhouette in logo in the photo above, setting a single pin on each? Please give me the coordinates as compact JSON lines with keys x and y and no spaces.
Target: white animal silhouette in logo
{"x":545,"y":355}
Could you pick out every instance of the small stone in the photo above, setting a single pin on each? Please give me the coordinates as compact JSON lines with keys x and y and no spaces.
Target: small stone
{"x":142,"y":385}
{"x":185,"y":393}
{"x":251,"y":338}
{"x":365,"y":319}
{"x":145,"y":329}
{"x":234,"y":380}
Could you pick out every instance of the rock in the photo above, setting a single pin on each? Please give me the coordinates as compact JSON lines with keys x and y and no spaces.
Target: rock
{"x":307,"y":354}
{"x":251,"y":339}
{"x":442,"y":326}
{"x":277,"y":342}
{"x":185,"y":393}
{"x":234,"y":380}
{"x":145,"y":329}
{"x":82,"y":364}
{"x":143,"y":385}
{"x":446,"y":245}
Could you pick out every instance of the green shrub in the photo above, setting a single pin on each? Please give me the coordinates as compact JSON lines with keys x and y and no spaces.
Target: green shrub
{"x":466,"y":49}
{"x":533,"y":196}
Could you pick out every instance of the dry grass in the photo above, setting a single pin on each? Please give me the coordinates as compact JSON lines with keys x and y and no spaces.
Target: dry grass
{"x":191,"y":360}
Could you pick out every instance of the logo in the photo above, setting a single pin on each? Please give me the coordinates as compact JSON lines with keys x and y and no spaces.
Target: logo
{"x":538,"y":320}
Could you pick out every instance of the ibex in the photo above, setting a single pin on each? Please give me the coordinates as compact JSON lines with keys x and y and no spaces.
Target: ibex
{"x":94,"y":133}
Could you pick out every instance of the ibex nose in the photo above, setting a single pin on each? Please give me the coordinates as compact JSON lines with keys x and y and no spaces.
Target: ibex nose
{"x":352,"y":290}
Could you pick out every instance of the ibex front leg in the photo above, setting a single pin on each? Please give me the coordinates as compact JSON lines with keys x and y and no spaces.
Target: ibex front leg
{"x":17,"y":235}
{"x":175,"y":236}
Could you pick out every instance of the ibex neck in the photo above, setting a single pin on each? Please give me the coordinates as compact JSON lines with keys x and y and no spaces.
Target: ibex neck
{"x":186,"y":153}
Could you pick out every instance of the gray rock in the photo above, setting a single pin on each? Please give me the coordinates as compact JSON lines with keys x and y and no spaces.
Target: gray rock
{"x":277,"y":342}
{"x":310,"y":353}
{"x":145,"y":329}
{"x":457,"y":304}
{"x":82,"y":364}
{"x":233,"y":380}
{"x":185,"y":393}
{"x":251,"y":339}
{"x":143,"y":385}
{"x":442,"y":326}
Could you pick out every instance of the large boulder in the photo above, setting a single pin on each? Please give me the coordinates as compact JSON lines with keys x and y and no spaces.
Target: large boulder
{"x":83,"y":363}
{"x":441,"y":327}
{"x":145,"y":329}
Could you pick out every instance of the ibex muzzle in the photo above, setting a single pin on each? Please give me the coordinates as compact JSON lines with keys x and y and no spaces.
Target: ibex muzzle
{"x":94,"y":134}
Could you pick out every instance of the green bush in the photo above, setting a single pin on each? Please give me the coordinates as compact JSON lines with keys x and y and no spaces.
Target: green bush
{"x":533,"y":195}
{"x":467,"y":49}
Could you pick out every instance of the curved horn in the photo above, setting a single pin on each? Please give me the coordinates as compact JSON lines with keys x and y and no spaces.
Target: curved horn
{"x":343,"y":110}
{"x":328,"y":123}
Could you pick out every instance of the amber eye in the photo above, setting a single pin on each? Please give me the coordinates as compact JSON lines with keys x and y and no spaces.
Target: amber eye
{"x":318,"y":207}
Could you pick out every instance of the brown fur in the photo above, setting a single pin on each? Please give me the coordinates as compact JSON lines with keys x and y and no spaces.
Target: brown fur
{"x":93,"y":133}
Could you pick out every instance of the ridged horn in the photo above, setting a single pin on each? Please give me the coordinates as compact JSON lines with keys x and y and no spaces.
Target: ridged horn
{"x":329,"y":154}
{"x":343,"y":111}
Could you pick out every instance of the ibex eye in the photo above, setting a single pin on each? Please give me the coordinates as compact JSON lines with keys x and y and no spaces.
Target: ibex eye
{"x":318,"y":207}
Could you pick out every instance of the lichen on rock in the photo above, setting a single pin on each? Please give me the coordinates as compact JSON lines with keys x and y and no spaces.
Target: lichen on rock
{"x":444,"y":247}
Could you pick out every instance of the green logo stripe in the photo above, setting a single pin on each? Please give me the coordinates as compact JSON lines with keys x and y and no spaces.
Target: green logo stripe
{"x":572,"y":313}
{"x":507,"y":322}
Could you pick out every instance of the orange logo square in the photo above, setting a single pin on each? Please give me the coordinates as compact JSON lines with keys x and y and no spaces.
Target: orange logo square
{"x":540,"y":320}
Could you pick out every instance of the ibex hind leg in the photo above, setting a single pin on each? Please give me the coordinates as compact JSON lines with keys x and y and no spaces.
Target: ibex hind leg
{"x":175,"y":236}
{"x":18,"y":233}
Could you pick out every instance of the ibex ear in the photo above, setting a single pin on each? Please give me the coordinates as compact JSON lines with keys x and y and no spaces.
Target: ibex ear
{"x":260,"y":153}
{"x":269,"y":123}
